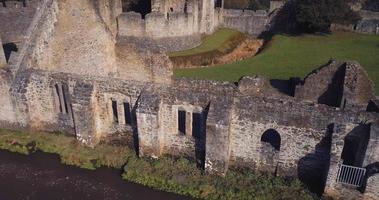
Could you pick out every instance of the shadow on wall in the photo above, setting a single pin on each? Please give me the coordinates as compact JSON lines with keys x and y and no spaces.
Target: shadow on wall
{"x":355,"y":146}
{"x":313,"y":168}
{"x":8,"y":48}
{"x":135,"y":126}
{"x":286,"y":86}
{"x":333,"y":95}
{"x":199,"y":133}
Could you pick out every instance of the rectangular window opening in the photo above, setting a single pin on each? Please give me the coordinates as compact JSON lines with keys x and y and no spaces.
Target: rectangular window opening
{"x":127,"y":113}
{"x":114,"y":111}
{"x":182,"y":121}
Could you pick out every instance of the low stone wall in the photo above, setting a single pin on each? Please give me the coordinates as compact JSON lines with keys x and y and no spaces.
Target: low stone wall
{"x":169,"y":44}
{"x":369,"y":22}
{"x":173,"y":34}
{"x":246,"y":21}
{"x":368,"y":26}
{"x":372,"y":189}
{"x":157,"y":25}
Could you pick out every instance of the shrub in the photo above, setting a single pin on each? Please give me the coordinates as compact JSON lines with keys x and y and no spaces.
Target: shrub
{"x":317,"y":15}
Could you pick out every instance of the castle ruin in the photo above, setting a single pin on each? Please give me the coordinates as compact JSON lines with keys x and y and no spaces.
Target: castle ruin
{"x":178,"y":24}
{"x":69,"y":71}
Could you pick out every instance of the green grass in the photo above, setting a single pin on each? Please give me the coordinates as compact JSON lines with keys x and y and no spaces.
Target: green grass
{"x":70,"y":150}
{"x":290,"y":56}
{"x":183,"y":177}
{"x":218,"y":41}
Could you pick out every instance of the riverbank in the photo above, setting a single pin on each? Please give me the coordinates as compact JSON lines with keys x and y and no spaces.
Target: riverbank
{"x":177,"y":175}
{"x":41,"y":176}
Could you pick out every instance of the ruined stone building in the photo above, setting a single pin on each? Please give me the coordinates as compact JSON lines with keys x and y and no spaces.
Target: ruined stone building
{"x":64,"y":69}
{"x":178,"y":24}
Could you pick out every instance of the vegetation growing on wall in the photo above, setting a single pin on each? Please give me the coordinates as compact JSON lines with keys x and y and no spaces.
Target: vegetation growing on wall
{"x":173,"y":175}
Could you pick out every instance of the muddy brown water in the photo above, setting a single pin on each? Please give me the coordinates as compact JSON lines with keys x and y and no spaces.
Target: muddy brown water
{"x":42,"y":176}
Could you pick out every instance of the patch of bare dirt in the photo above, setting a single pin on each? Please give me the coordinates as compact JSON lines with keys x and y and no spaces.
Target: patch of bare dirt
{"x":248,"y":48}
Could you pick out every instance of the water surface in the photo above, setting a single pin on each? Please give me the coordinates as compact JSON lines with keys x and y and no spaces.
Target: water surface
{"x":42,"y":176}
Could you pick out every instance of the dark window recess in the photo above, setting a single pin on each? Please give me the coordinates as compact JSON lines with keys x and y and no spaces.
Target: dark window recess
{"x":196,"y":125}
{"x":114,"y":111}
{"x":182,"y":121}
{"x":140,"y":6}
{"x":272,"y":137}
{"x":59,"y":97}
{"x":8,"y":49}
{"x":218,"y":3}
{"x":127,"y":113}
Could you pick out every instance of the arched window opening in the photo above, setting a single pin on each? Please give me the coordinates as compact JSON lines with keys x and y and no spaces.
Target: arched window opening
{"x":272,"y":137}
{"x":140,"y":6}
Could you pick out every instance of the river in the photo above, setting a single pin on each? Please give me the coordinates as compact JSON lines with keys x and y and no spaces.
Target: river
{"x":42,"y":176}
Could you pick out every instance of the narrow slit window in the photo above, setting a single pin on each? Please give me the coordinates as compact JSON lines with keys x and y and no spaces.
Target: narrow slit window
{"x":58,"y":96}
{"x":64,"y":90}
{"x":127,"y":113}
{"x":196,"y":125}
{"x":114,"y":111}
{"x":182,"y":121}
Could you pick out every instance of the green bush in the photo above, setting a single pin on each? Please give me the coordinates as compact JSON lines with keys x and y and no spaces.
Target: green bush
{"x":317,"y":15}
{"x":183,"y":177}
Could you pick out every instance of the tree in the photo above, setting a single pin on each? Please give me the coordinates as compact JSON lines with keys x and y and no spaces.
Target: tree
{"x":317,"y":15}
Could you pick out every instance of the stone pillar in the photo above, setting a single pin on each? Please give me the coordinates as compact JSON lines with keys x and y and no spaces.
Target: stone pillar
{"x":207,"y":17}
{"x":83,"y":113}
{"x":3,"y":61}
{"x":149,"y":137}
{"x":335,"y":159}
{"x":217,"y":136}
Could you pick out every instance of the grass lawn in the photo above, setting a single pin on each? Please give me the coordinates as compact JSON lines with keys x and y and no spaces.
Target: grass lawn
{"x":290,"y":56}
{"x":218,"y":41}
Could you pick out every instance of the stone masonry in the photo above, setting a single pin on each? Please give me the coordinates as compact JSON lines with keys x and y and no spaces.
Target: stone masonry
{"x":182,"y":22}
{"x":330,"y":121}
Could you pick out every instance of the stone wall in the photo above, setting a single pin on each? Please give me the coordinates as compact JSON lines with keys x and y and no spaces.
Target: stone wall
{"x":224,"y":125}
{"x":178,"y":32}
{"x":369,"y":22}
{"x":3,"y":61}
{"x":15,"y":19}
{"x":246,"y":21}
{"x":339,"y":84}
{"x":276,"y":4}
{"x":372,"y":189}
